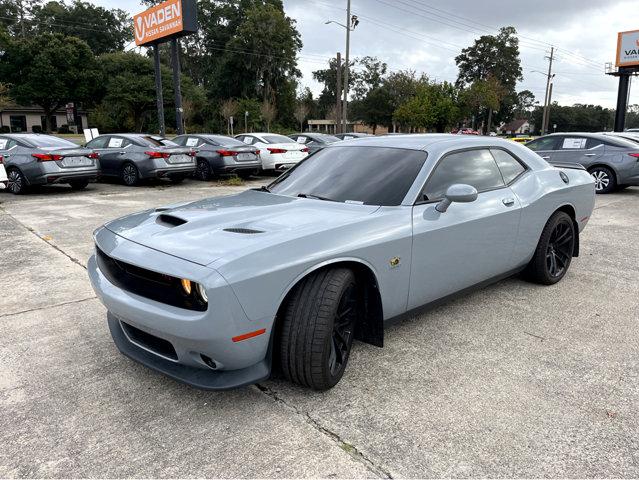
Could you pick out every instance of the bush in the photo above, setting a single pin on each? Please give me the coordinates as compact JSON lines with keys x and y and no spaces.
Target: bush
{"x":36,"y":129}
{"x":64,"y":129}
{"x":5,"y":129}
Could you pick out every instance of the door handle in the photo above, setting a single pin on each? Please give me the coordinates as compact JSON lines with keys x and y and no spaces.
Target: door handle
{"x":589,"y":154}
{"x":509,"y":202}
{"x":546,"y":157}
{"x":122,"y":153}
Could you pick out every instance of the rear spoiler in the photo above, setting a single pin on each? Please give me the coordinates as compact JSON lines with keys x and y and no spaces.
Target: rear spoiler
{"x":574,"y":166}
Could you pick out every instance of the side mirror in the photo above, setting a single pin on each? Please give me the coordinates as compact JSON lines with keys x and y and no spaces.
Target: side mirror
{"x":458,"y":192}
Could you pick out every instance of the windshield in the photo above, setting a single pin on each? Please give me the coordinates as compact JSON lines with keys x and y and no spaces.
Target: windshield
{"x":158,"y":141}
{"x":222,"y":140}
{"x":276,"y":139}
{"x":369,"y":175}
{"x":47,"y":141}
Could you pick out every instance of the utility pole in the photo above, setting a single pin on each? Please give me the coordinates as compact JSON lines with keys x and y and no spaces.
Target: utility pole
{"x":158,"y":88}
{"x":544,"y":121}
{"x":175,"y":59}
{"x":348,"y":44}
{"x":549,"y":103}
{"x":338,"y":96}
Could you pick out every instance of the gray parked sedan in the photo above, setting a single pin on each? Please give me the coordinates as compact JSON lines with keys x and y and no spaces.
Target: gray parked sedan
{"x":314,"y":141}
{"x":35,"y":159}
{"x":350,"y":136}
{"x":136,"y":156}
{"x":613,"y":162}
{"x":217,"y":154}
{"x":356,"y":236}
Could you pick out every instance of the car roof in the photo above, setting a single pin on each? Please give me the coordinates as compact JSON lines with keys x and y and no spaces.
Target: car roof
{"x":596,"y":135}
{"x":422,"y":141}
{"x":28,"y":135}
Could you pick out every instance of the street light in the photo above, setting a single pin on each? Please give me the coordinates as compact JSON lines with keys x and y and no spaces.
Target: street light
{"x":351,"y":22}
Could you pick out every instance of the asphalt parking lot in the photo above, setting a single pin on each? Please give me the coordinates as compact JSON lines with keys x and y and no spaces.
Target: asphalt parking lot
{"x":513,"y":380}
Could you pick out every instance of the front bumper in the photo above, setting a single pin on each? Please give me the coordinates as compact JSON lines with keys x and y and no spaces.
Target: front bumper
{"x":193,"y":336}
{"x":193,"y":376}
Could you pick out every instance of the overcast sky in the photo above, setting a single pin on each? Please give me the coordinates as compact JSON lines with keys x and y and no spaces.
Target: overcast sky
{"x":426,"y":35}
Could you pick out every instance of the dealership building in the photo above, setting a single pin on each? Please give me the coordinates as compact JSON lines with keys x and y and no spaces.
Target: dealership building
{"x":16,"y":118}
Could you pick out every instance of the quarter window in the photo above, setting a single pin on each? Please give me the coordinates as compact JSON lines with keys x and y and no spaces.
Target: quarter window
{"x":509,"y":166}
{"x":99,"y":142}
{"x":471,"y":167}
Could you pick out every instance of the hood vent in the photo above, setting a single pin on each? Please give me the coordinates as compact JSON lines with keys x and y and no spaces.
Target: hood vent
{"x":170,"y":220}
{"x":244,"y":231}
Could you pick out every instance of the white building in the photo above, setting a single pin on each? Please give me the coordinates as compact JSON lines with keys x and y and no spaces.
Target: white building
{"x":16,"y":118}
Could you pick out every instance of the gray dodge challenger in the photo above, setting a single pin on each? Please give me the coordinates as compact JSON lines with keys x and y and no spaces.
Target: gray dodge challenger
{"x":217,"y":292}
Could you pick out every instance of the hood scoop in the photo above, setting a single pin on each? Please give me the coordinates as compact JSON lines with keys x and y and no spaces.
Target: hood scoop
{"x":169,"y":220}
{"x":243,"y":231}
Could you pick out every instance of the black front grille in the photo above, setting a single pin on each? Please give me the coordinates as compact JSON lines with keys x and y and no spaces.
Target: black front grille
{"x":155,"y":344}
{"x":147,"y":283}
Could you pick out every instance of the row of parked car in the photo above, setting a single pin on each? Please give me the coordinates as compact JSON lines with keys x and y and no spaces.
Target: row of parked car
{"x":36,"y":159}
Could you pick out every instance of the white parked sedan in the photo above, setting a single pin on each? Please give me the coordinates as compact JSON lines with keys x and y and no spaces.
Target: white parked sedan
{"x":277,"y":151}
{"x":3,"y":175}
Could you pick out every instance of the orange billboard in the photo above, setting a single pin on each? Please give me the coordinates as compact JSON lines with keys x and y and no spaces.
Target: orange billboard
{"x":628,"y":49}
{"x":166,"y":20}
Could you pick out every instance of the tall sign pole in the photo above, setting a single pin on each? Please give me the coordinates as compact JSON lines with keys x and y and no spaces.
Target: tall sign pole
{"x":177,"y":87}
{"x":348,"y":45}
{"x":544,"y":121}
{"x":158,"y":88}
{"x":627,"y":63}
{"x":167,"y":21}
{"x":338,"y":96}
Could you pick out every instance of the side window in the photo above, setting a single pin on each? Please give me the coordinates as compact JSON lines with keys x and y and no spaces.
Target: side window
{"x":99,"y":142}
{"x":118,"y":142}
{"x":190,"y":141}
{"x":472,"y":167}
{"x":509,"y":166}
{"x":594,"y":143}
{"x":573,"y":143}
{"x":542,"y":144}
{"x":4,"y":143}
{"x":179,"y":141}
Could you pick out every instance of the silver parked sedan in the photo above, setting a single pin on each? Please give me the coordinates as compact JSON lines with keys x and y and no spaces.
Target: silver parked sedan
{"x":612,"y":161}
{"x":34,"y":159}
{"x":217,"y":154}
{"x":358,"y":235}
{"x":136,"y":156}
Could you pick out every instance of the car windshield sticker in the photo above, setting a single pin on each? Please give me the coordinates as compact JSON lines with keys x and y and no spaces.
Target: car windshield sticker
{"x":574,"y":143}
{"x":3,"y":143}
{"x":191,"y":142}
{"x":115,"y":142}
{"x":301,"y":140}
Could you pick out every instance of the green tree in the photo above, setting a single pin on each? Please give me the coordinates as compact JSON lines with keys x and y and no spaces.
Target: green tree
{"x":254,"y":118}
{"x":525,"y":104}
{"x":369,"y":78}
{"x":15,"y":16}
{"x":433,"y":107}
{"x":103,"y":30}
{"x":484,"y":95}
{"x":376,"y":108}
{"x":48,"y":70}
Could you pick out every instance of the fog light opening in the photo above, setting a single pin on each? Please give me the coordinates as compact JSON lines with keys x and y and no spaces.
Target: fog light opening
{"x":209,"y":361}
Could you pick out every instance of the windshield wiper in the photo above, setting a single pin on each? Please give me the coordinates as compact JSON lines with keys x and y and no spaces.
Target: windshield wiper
{"x":316,"y":197}
{"x":263,"y":188}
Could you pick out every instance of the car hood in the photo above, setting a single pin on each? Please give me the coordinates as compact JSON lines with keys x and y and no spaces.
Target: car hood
{"x":207,"y":230}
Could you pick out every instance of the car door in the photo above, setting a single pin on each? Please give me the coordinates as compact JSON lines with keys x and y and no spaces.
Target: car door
{"x":115,"y":154}
{"x":470,"y":242}
{"x":544,"y":146}
{"x":99,"y":144}
{"x":577,"y":149}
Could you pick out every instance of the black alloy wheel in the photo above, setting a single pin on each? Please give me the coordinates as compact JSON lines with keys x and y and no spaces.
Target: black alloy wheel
{"x":203,"y":170}
{"x":130,"y":174}
{"x":17,"y":183}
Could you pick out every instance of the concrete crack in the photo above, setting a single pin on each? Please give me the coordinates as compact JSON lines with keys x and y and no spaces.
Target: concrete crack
{"x":350,"y":449}
{"x":44,"y":307}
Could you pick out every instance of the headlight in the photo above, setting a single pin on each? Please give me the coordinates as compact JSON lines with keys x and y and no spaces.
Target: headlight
{"x":193,"y":289}
{"x":201,"y":292}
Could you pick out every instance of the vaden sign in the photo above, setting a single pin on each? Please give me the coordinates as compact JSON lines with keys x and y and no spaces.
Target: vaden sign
{"x":628,"y":49}
{"x":169,"y":19}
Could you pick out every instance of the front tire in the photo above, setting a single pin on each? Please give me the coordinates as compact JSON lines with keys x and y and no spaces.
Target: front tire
{"x":318,"y":327}
{"x":17,"y":184}
{"x":605,"y":180}
{"x":554,"y":251}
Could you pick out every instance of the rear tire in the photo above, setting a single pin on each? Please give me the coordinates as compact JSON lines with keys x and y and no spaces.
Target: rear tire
{"x":17,"y":183}
{"x":605,"y":180}
{"x":245,"y":174}
{"x":318,"y":327}
{"x":554,"y":251}
{"x":79,"y":184}
{"x":203,"y":170}
{"x":130,"y":174}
